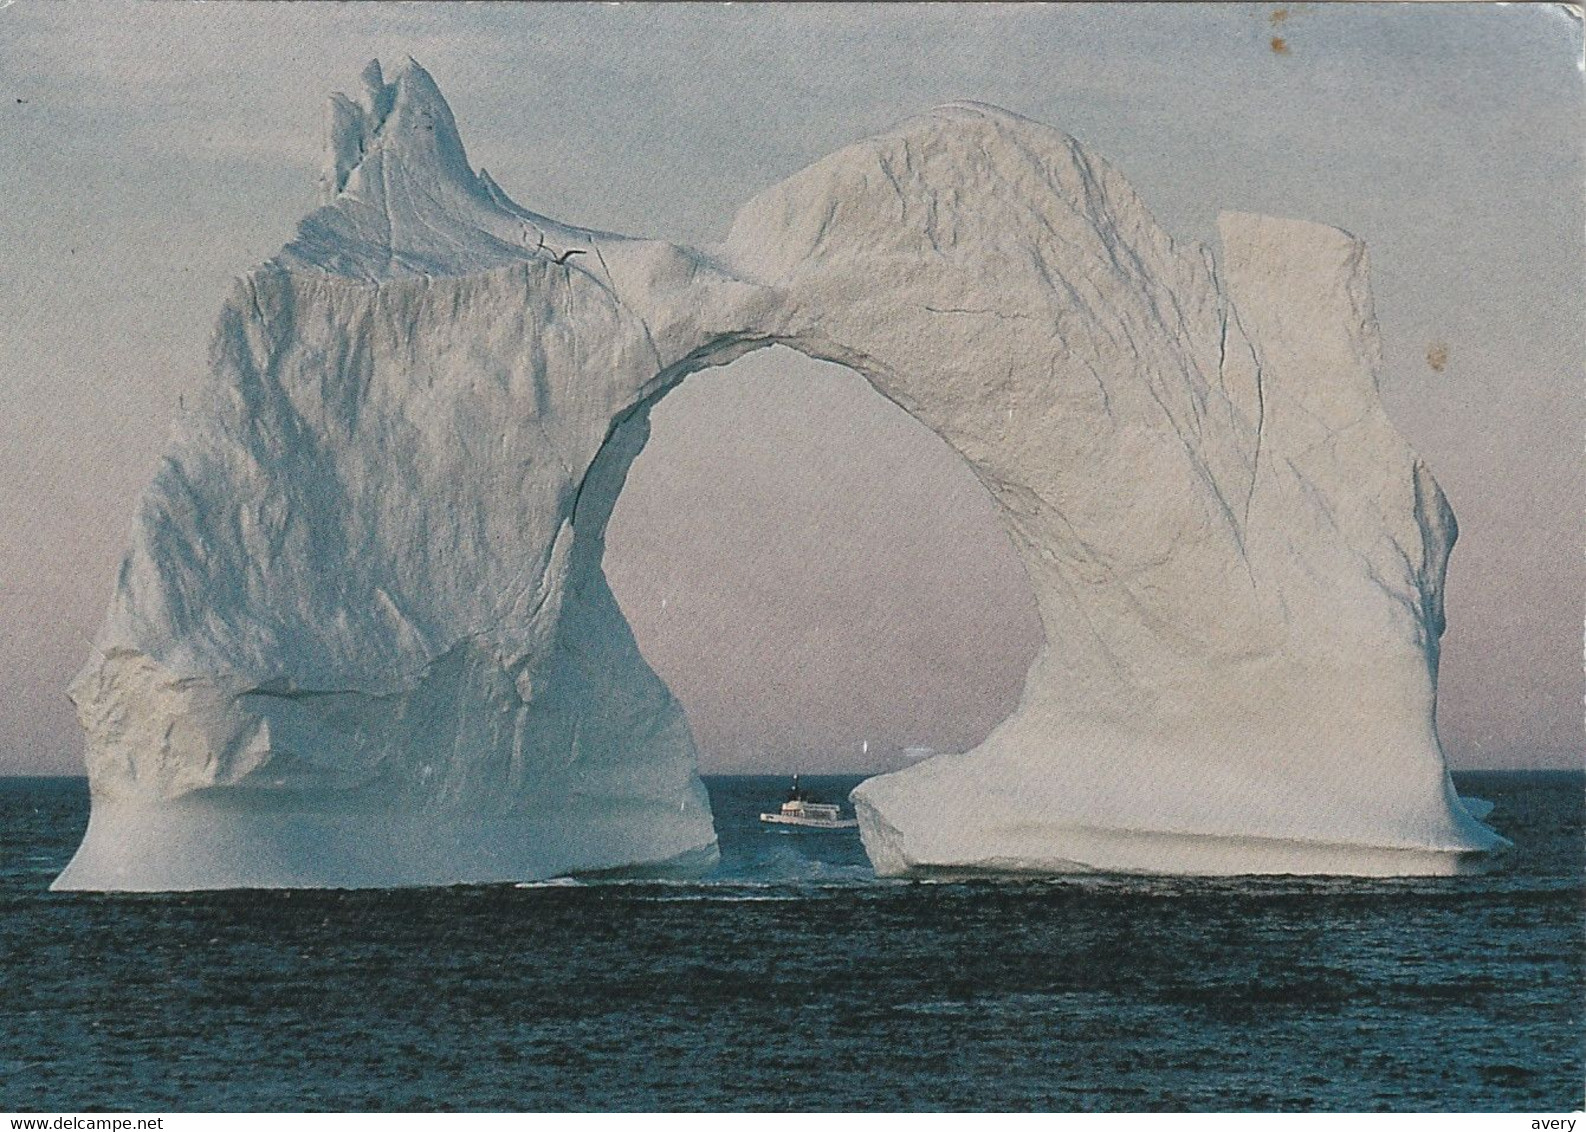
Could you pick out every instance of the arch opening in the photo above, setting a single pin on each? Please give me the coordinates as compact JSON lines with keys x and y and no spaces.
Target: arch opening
{"x":819,"y":578}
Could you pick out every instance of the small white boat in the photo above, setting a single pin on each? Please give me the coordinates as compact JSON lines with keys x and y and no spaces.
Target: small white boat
{"x":802,"y":811}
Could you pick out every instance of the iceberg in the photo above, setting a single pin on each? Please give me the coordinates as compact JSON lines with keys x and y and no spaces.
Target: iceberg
{"x":362,"y":636}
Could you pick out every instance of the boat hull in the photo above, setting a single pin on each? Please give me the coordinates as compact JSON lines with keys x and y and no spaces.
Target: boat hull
{"x":810,"y":823}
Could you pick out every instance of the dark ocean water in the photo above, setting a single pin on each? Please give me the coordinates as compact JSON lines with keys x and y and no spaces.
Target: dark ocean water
{"x":795,"y":980}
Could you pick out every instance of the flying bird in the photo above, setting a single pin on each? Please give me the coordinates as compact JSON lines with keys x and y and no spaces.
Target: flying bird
{"x":569,"y":254}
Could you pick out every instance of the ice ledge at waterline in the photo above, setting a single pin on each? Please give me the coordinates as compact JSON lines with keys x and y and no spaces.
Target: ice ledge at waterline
{"x":363,"y":636}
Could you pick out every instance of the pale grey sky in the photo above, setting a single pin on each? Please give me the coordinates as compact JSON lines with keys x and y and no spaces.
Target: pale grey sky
{"x":829,"y":574}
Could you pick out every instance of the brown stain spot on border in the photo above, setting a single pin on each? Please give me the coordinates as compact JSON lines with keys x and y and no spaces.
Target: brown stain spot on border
{"x":1279,"y":16}
{"x":1437,"y":356}
{"x":1280,"y":46}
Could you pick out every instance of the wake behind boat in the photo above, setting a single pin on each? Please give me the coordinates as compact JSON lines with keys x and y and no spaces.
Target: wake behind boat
{"x":802,"y":811}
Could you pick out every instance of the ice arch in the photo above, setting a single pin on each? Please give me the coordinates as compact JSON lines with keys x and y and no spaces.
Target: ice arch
{"x":362,"y":636}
